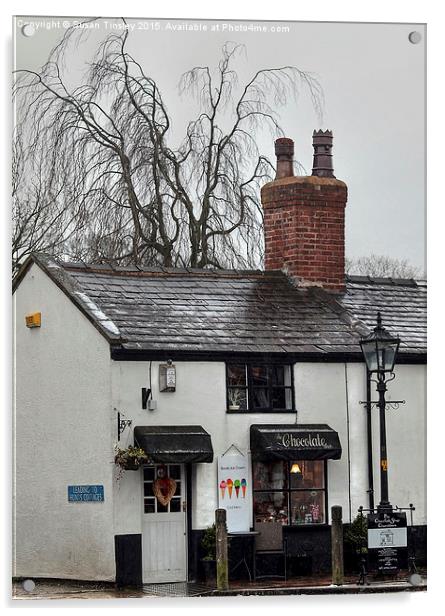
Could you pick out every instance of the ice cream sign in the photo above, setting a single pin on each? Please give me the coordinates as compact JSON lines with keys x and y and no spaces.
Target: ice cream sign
{"x":234,"y":489}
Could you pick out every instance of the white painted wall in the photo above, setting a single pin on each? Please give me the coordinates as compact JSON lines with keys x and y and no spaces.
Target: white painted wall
{"x":63,"y":436}
{"x":200,"y":398}
{"x":358,"y":445}
{"x":331,"y":393}
{"x":406,"y":441}
{"x":325,"y":393}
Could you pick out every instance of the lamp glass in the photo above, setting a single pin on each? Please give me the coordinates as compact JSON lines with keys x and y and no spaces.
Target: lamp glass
{"x":380,"y":350}
{"x":295,"y":468}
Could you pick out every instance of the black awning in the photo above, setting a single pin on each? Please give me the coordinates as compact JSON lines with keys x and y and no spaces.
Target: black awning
{"x":294,"y":442}
{"x":175,"y":444}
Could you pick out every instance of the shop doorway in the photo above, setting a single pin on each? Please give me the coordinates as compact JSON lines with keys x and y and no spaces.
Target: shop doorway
{"x":164,"y":524}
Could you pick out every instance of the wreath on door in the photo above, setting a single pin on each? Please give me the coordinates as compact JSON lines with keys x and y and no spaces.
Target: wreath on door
{"x":164,"y":488}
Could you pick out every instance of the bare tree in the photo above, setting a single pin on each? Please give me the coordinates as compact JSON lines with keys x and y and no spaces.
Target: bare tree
{"x":41,"y":222}
{"x":381,"y":266}
{"x":103,"y":157}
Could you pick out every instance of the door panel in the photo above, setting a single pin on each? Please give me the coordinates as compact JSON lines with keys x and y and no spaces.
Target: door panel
{"x":164,"y":536}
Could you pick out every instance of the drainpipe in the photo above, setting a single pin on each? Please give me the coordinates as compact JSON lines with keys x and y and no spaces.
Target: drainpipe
{"x":369,"y":439}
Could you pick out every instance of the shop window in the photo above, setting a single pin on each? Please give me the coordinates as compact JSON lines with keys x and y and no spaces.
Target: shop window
{"x":287,"y":493}
{"x":261,"y":387}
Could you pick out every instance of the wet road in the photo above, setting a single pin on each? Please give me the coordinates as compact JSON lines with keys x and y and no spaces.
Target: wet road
{"x":67,"y":589}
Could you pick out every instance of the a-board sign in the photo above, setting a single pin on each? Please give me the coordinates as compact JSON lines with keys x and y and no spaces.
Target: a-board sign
{"x":387,"y":534}
{"x":86,"y":493}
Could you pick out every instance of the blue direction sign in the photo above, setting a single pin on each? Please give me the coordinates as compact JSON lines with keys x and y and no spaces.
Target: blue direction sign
{"x":84,"y":494}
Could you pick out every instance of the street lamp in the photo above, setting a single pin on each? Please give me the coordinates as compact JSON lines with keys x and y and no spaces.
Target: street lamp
{"x":380,"y":350}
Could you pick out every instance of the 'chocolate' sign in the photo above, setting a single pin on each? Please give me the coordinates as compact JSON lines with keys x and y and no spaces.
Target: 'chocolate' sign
{"x":309,"y":440}
{"x":294,"y":442}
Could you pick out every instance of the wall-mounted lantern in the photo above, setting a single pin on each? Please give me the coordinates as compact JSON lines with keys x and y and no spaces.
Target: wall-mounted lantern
{"x":147,"y":400}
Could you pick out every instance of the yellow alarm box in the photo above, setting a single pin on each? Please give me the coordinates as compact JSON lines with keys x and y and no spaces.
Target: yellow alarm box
{"x":34,"y":319}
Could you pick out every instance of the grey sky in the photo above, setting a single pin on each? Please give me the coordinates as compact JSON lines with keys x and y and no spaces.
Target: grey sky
{"x":373,"y":79}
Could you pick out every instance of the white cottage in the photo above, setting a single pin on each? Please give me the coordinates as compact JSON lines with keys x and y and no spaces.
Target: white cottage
{"x":242,"y":387}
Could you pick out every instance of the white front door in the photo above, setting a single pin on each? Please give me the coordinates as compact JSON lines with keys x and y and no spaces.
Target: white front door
{"x":164,"y":531}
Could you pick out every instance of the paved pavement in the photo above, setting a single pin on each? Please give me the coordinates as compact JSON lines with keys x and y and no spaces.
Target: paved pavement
{"x":67,"y":589}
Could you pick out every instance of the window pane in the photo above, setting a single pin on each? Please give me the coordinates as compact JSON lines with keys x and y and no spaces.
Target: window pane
{"x":175,"y":505}
{"x":236,"y":375}
{"x":149,"y":505}
{"x":311,"y":475}
{"x":237,"y":399}
{"x":260,"y":375}
{"x":260,"y":398}
{"x":278,"y":398}
{"x":278,"y":375}
{"x":281,"y":398}
{"x":281,"y":375}
{"x":161,"y":508}
{"x":307,"y":507}
{"x":270,"y":507}
{"x":288,"y":394}
{"x":174,"y":471}
{"x":148,"y":489}
{"x":149,"y":473}
{"x":270,"y":476}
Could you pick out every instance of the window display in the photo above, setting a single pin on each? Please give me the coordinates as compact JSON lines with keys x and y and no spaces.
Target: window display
{"x":289,"y":492}
{"x":270,"y":476}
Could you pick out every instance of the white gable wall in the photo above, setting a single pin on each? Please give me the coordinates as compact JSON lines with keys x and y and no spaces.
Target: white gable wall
{"x":63,"y":436}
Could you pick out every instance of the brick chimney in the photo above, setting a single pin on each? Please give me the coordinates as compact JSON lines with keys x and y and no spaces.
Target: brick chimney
{"x":304,"y":217}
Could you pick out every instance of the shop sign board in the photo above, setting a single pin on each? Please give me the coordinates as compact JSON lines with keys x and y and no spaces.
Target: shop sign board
{"x":86,"y":493}
{"x":234,"y":489}
{"x":387,"y":534}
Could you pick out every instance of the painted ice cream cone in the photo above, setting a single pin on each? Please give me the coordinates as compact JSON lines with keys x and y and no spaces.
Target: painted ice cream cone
{"x":244,"y":487}
{"x":237,"y":485}
{"x":229,"y":483}
{"x":222,"y":488}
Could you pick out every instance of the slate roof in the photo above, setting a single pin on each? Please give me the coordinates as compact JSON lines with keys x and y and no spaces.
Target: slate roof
{"x":402,"y":303}
{"x":217,"y":311}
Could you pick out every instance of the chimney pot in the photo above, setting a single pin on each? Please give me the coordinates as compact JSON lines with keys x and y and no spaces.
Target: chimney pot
{"x":304,"y":218}
{"x":322,"y":142}
{"x":284,"y":151}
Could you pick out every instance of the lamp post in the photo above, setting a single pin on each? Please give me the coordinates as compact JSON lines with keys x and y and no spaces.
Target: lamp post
{"x":380,"y":350}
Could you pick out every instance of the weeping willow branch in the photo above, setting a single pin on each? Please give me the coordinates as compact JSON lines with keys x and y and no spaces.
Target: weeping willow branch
{"x":96,"y":176}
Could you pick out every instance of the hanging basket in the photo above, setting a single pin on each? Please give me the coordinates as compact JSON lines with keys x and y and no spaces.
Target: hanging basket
{"x":130,"y":459}
{"x":131,"y":465}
